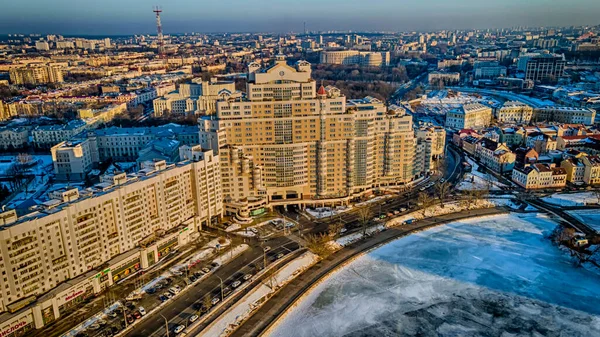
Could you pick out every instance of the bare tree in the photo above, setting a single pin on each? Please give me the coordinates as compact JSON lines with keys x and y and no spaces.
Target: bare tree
{"x":319,"y":244}
{"x":365,"y":214}
{"x":442,"y":166}
{"x":206,"y":301}
{"x":424,"y":201}
{"x":335,"y":229}
{"x":442,"y":191}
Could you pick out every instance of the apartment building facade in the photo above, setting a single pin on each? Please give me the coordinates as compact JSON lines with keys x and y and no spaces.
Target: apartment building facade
{"x":80,"y":242}
{"x":539,"y":175}
{"x":570,"y":115}
{"x":36,"y":74}
{"x":469,"y":116}
{"x":514,"y":112}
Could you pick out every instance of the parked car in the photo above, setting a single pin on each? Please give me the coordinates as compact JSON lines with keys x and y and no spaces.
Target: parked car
{"x":174,"y":290}
{"x":205,"y":270}
{"x":112,"y":314}
{"x":150,"y":291}
{"x":168,"y":295}
{"x":129,"y":305}
{"x":215,"y":300}
{"x":194,"y":318}
{"x":163,"y":298}
{"x":279,"y":256}
{"x":179,"y":328}
{"x":142,"y":311}
{"x":137,"y":314}
{"x":236,"y":284}
{"x":215,"y":265}
{"x":247,"y":277}
{"x":198,"y":274}
{"x":130,"y":319}
{"x":267,"y":248}
{"x":193,"y":278}
{"x":254,"y":230}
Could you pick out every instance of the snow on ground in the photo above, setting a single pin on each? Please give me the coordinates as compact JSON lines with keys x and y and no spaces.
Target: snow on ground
{"x":323,"y":212}
{"x":476,"y":180}
{"x":252,"y":301}
{"x":214,"y":243}
{"x":493,"y":276}
{"x":230,"y":255}
{"x":572,"y":199}
{"x":590,"y":217}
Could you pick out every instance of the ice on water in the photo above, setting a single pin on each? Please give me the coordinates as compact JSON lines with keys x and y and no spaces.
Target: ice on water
{"x":497,"y":276}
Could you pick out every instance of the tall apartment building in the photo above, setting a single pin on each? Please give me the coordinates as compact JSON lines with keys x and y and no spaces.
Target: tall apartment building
{"x":371,"y":59}
{"x":514,"y":112}
{"x":544,"y":68}
{"x":469,"y":116}
{"x":80,"y":242}
{"x":570,"y":115}
{"x":42,"y":45}
{"x":430,"y":146}
{"x":36,"y":74}
{"x":289,"y":142}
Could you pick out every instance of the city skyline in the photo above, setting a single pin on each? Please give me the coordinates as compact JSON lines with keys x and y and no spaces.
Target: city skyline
{"x":135,"y":16}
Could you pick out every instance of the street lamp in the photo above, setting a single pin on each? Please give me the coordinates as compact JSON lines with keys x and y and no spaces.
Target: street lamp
{"x":220,"y":279}
{"x":166,"y":324}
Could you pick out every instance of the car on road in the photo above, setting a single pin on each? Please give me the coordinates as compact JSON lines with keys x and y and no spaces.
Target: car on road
{"x":226,"y":291}
{"x":279,"y":256}
{"x":402,"y":209}
{"x":163,"y":298}
{"x":215,"y":300}
{"x":267,"y":248}
{"x":247,"y":277}
{"x":343,"y":230}
{"x":193,"y":318}
{"x":205,"y":270}
{"x":142,"y":311}
{"x":215,"y":265}
{"x":179,"y":328}
{"x":236,"y":284}
{"x":168,"y":295}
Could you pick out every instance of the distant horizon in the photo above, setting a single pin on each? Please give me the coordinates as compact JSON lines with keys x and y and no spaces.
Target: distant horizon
{"x":131,"y":17}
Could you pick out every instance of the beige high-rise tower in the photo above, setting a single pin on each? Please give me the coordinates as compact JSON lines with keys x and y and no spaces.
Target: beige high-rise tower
{"x":288,"y":141}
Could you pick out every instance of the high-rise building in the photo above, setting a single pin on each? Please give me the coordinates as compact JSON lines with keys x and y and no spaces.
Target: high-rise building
{"x":36,"y":74}
{"x":42,"y":45}
{"x":79,"y":242}
{"x":289,"y":142}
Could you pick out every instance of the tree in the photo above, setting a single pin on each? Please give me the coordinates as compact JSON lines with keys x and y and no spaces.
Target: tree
{"x":206,"y":301}
{"x":442,"y":191}
{"x":424,"y":201}
{"x":335,"y":229}
{"x":365,"y":214}
{"x":319,"y":244}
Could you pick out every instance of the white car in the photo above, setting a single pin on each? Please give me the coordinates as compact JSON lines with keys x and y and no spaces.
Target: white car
{"x":267,"y":248}
{"x":236,"y":284}
{"x":247,"y":277}
{"x":254,"y":230}
{"x":173,"y":290}
{"x":179,"y":328}
{"x":142,"y":311}
{"x":193,"y":318}
{"x":215,"y":300}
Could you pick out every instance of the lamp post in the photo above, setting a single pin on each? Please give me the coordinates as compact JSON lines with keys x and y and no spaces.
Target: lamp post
{"x":220,"y":279}
{"x":166,"y":324}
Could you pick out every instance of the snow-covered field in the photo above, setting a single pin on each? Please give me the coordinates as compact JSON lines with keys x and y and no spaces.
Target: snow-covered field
{"x":590,"y":217}
{"x":476,"y":180}
{"x":493,"y":276}
{"x":572,"y":199}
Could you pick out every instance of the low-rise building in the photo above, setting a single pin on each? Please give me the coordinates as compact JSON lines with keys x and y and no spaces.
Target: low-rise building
{"x":570,"y":115}
{"x":591,"y":175}
{"x":72,"y":160}
{"x":540,"y":176}
{"x":46,"y":136}
{"x":104,"y":115}
{"x":13,"y":138}
{"x":575,"y":169}
{"x":495,"y":156}
{"x":443,"y":77}
{"x":514,"y":112}
{"x":469,"y":116}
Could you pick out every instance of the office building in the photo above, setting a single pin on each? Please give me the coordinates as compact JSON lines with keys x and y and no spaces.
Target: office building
{"x":543,"y":68}
{"x":372,"y":59}
{"x":514,"y":112}
{"x":570,"y":115}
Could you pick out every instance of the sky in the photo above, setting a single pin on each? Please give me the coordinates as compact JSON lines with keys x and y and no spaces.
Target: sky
{"x":124,"y":17}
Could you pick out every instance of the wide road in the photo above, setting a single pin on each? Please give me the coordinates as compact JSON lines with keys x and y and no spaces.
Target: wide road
{"x":180,"y":309}
{"x":272,"y":309}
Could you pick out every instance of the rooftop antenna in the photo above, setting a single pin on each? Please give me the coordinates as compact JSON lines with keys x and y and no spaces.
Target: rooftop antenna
{"x":157,"y":10}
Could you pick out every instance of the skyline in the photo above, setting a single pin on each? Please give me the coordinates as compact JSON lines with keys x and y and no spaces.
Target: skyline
{"x":185,"y":16}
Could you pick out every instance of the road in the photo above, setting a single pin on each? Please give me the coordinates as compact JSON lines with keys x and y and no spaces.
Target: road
{"x":281,"y":301}
{"x":180,"y":309}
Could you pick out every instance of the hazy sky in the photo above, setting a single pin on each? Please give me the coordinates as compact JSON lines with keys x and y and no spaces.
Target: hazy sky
{"x":135,"y":16}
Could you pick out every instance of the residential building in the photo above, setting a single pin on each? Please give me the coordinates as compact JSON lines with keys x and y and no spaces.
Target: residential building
{"x":373,"y":59}
{"x":445,"y":78}
{"x":104,"y":115}
{"x":46,"y":136}
{"x":575,"y":169}
{"x":469,"y":116}
{"x":542,"y":143}
{"x":495,"y":156}
{"x":80,"y":242}
{"x":570,"y":115}
{"x":589,"y":144}
{"x":431,"y":145}
{"x":540,"y":176}
{"x":288,"y":142}
{"x":36,"y":74}
{"x":514,"y":112}
{"x":591,"y":175}
{"x":525,"y":156}
{"x":42,"y":45}
{"x":72,"y":160}
{"x":489,"y":70}
{"x":13,"y":138}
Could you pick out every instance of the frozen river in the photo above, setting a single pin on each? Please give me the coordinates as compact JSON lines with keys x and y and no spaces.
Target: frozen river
{"x":497,"y":276}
